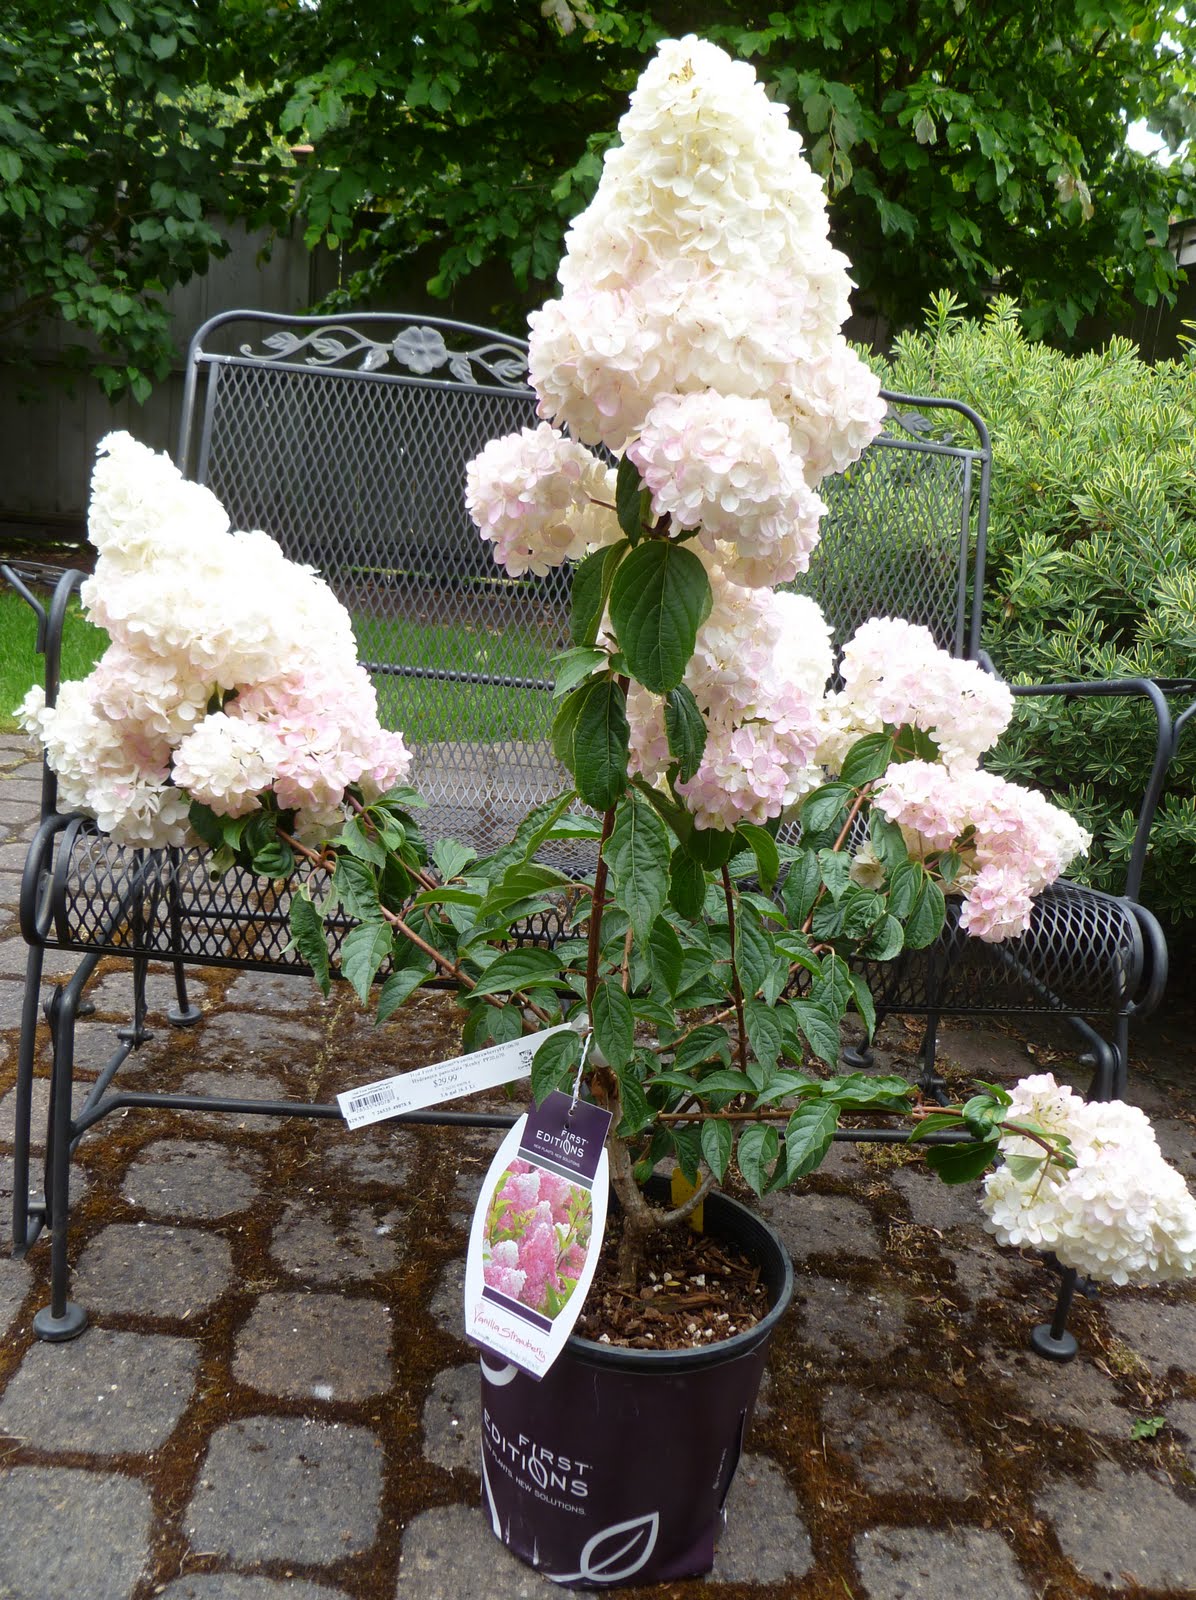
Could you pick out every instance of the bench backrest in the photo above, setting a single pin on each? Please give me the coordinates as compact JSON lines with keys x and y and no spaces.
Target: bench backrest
{"x":347,"y":439}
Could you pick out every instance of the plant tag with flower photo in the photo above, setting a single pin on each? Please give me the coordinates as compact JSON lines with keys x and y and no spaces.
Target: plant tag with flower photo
{"x":537,"y":1232}
{"x":442,"y":1080}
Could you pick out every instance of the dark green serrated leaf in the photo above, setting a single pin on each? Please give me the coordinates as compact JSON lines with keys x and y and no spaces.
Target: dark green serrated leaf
{"x":365,"y":948}
{"x":825,"y":808}
{"x":820,"y":1028}
{"x":555,"y":1063}
{"x":764,"y":1032}
{"x":310,"y":940}
{"x":687,"y":884}
{"x":704,"y":1044}
{"x":629,"y":499}
{"x":687,"y":1146}
{"x":659,"y":599}
{"x":718,"y":1140}
{"x":592,"y":579}
{"x":637,"y":1113}
{"x":397,"y":989}
{"x":925,"y":921}
{"x":867,"y":759}
{"x":764,"y":847}
{"x":759,"y":1146}
{"x":518,"y":969}
{"x":753,"y":950}
{"x":637,"y":854}
{"x":800,"y":888}
{"x":666,"y":958}
{"x":591,"y":737}
{"x":575,"y":666}
{"x":809,"y":1134}
{"x":961,"y":1163}
{"x":887,"y":941}
{"x":614,"y":1024}
{"x":685,"y":730}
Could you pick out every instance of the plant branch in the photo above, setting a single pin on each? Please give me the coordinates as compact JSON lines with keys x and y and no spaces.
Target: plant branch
{"x":597,"y":904}
{"x":736,"y":987}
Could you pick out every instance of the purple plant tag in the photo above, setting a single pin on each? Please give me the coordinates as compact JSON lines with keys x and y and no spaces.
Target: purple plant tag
{"x":537,"y":1232}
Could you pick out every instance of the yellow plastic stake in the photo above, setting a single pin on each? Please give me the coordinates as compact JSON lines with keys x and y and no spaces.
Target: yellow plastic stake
{"x":681,"y":1190}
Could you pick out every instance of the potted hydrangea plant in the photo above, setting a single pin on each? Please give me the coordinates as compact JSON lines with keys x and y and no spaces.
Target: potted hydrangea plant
{"x":735,"y":836}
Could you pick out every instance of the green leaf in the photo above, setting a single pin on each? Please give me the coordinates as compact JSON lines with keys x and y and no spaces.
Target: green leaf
{"x":685,"y":729}
{"x":665,"y":955}
{"x":764,"y":1032}
{"x":274,"y":860}
{"x":687,"y":1143}
{"x":590,"y":735}
{"x":926,"y":919}
{"x":637,"y":854}
{"x":518,"y":969}
{"x":825,"y":808}
{"x":703,"y":1043}
{"x":867,"y":759}
{"x":1024,"y":1169}
{"x":718,"y":1139}
{"x":687,"y":884}
{"x":887,"y":941}
{"x":809,"y":1134}
{"x":835,"y":868}
{"x":764,"y":847}
{"x":555,"y":1063}
{"x":905,"y":885}
{"x":310,"y":940}
{"x":659,"y":599}
{"x":960,"y":1163}
{"x":864,"y":1003}
{"x":800,"y":888}
{"x":753,"y":950}
{"x":614,"y":1024}
{"x":820,"y":1027}
{"x":365,"y":948}
{"x":361,"y":844}
{"x":356,"y":887}
{"x":591,"y":583}
{"x":575,"y":666}
{"x":637,"y":1113}
{"x":710,"y":847}
{"x":888,"y":841}
{"x":451,"y":858}
{"x":758,"y":1149}
{"x":858,"y":1091}
{"x":398,"y":988}
{"x":632,"y":502}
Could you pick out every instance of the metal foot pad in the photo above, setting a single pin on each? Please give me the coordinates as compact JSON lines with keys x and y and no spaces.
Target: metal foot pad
{"x":1044,"y":1343}
{"x":183,"y":1019}
{"x":56,"y":1330}
{"x":859,"y":1057}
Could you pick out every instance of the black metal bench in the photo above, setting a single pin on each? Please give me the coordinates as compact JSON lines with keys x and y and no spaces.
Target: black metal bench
{"x":347,"y":439}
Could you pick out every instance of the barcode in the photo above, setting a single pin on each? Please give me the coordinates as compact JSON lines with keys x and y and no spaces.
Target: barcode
{"x":379,"y":1097}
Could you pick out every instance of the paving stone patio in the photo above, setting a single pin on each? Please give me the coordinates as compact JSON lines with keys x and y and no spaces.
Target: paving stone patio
{"x":273,"y":1401}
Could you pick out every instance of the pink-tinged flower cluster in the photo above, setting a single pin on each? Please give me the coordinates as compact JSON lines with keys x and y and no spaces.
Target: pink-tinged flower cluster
{"x":541,"y":499}
{"x":894,"y":673}
{"x":1122,"y":1214}
{"x":537,"y":1230}
{"x":698,"y":327}
{"x":724,"y":465}
{"x":1013,"y":842}
{"x":200,"y":617}
{"x":757,"y":673}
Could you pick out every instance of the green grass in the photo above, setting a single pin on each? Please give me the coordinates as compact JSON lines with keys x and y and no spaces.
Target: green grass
{"x":426,"y":710}
{"x":20,"y":665}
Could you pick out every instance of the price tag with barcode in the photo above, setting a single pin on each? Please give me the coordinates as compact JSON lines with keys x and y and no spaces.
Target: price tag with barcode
{"x":443,"y":1080}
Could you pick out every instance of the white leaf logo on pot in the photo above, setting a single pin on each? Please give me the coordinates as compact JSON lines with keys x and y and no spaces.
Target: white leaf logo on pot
{"x":641,"y":1543}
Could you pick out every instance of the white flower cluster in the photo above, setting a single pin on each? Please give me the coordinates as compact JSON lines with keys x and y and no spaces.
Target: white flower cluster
{"x":1122,"y":1214}
{"x":542,"y":499}
{"x":199,"y":616}
{"x":701,"y":311}
{"x":893,"y":672}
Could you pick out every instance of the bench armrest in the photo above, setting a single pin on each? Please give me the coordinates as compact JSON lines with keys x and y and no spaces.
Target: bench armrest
{"x":1168,"y":730}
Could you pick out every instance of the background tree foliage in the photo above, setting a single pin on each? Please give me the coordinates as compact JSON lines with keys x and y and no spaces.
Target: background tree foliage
{"x":120,"y":139}
{"x":962,"y":141}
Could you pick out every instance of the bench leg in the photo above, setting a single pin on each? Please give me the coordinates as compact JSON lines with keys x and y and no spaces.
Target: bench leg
{"x":61,"y":1319}
{"x":23,"y":1101}
{"x":183,"y":1014}
{"x":1052,"y":1340}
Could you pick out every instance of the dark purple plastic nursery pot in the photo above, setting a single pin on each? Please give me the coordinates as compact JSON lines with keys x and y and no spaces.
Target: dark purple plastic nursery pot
{"x":614,"y":1468}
